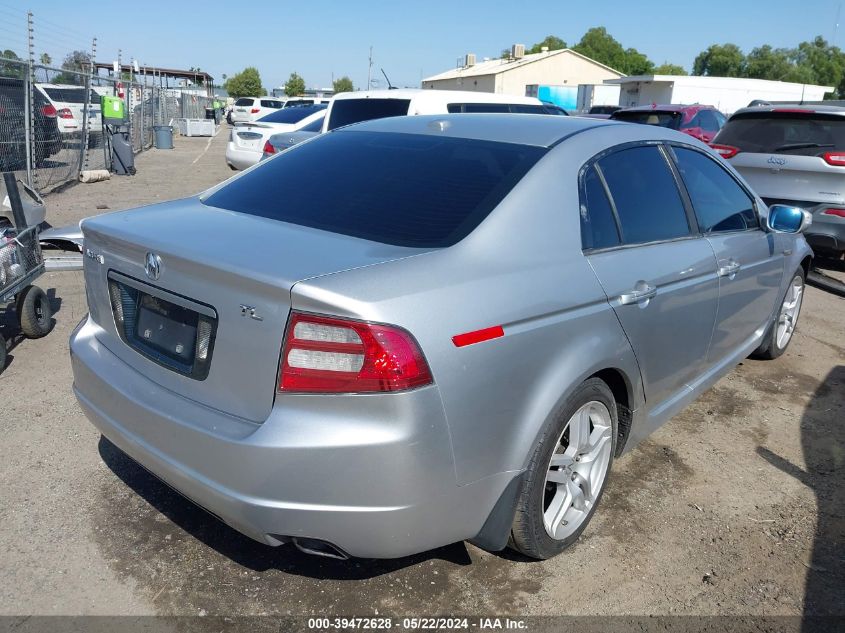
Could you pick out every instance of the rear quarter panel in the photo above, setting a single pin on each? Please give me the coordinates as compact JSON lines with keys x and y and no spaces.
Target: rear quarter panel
{"x":522,"y":269}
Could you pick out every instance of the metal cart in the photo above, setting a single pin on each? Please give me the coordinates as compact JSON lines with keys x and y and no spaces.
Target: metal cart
{"x":21,"y":263}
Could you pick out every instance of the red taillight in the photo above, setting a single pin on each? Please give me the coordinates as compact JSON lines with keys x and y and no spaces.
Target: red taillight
{"x":837,"y":159}
{"x":725,"y":151}
{"x":255,"y":110}
{"x":268,"y":148}
{"x":64,"y":113}
{"x":330,"y":355}
{"x":837,"y":212}
{"x":48,"y":110}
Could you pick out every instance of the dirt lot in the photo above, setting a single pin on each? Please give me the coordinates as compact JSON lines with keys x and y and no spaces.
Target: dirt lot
{"x":734,"y":507}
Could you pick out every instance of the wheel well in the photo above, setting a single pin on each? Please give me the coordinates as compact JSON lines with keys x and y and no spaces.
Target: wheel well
{"x":806,"y":263}
{"x":618,"y":385}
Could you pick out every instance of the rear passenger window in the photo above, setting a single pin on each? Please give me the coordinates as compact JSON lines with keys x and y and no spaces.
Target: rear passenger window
{"x":720,"y":203}
{"x":647,"y":199}
{"x":454,"y":108}
{"x":598,"y":226}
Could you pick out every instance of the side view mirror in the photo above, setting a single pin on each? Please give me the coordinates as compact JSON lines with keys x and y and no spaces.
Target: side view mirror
{"x":786,"y":219}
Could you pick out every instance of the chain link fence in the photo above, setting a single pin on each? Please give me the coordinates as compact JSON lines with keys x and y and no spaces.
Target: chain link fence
{"x":51,"y":122}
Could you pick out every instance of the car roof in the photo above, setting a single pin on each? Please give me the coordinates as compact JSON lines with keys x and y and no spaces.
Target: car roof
{"x":796,"y":108}
{"x":524,"y":129}
{"x":437,"y":96}
{"x":667,"y":107}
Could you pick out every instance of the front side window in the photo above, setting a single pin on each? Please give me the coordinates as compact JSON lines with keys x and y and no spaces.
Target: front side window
{"x":645,"y":195}
{"x":719,"y":202}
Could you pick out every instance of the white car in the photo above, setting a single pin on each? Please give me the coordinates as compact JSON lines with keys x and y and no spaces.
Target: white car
{"x":247,"y":140}
{"x":354,"y":107}
{"x":69,"y":102}
{"x":248,"y":109}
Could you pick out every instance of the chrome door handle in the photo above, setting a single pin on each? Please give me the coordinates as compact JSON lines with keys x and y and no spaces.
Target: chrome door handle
{"x":729,"y":269}
{"x":637,"y":294}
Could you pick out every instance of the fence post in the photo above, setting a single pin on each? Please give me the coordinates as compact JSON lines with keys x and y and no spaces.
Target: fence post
{"x":86,"y":108}
{"x":29,"y":104}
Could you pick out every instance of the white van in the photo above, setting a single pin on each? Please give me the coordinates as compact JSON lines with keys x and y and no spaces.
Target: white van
{"x":354,"y":107}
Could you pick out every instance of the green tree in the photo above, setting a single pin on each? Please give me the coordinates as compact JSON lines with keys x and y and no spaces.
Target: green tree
{"x":246,"y":83}
{"x":343,"y":84}
{"x":10,"y":68}
{"x":75,"y":65}
{"x":669,"y":69}
{"x":599,"y":45}
{"x":295,"y":85}
{"x":826,"y":63}
{"x":720,"y":60}
{"x":552,"y":42}
{"x":46,"y":59}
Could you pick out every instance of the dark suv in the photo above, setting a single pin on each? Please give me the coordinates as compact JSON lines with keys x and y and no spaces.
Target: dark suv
{"x":48,"y":139}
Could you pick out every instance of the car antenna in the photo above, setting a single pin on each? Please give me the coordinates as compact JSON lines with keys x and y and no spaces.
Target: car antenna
{"x":390,"y":86}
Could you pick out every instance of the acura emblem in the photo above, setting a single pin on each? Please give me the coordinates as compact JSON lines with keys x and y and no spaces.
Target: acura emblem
{"x":152,"y":266}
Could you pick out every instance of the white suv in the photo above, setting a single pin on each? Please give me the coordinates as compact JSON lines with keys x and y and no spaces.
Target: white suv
{"x":248,"y":109}
{"x":69,"y":102}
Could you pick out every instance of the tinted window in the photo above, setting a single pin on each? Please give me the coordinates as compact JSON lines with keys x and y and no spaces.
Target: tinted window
{"x":291,"y":115}
{"x":291,"y":103}
{"x":314,"y":126}
{"x":402,"y":189}
{"x":520,"y":108}
{"x":706,"y":120}
{"x":720,"y":203}
{"x":598,"y":226}
{"x":71,"y":95}
{"x":791,"y":132}
{"x":348,"y":111}
{"x":477,"y":107}
{"x":645,"y":194}
{"x":243,"y":101}
{"x":269,"y":103}
{"x":663,"y":119}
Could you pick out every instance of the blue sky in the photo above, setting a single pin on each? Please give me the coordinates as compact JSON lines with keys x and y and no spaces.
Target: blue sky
{"x":409,"y":39}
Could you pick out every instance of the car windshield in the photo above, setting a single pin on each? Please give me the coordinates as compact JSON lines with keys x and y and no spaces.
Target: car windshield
{"x":348,"y":111}
{"x":671,"y":120}
{"x":71,"y":95}
{"x":401,"y":189}
{"x":808,"y":133}
{"x":291,"y":115}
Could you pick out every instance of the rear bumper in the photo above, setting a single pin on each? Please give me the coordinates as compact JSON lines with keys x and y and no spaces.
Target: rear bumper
{"x":373,"y":475}
{"x":240,"y":158}
{"x":826,"y":237}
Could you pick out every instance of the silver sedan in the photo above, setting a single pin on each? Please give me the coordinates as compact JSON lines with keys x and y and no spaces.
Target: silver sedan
{"x":421,"y":330}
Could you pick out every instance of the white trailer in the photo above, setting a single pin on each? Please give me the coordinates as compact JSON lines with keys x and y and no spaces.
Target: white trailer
{"x":590,"y":95}
{"x":727,"y":94}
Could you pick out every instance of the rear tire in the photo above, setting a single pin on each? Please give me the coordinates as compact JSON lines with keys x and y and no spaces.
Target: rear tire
{"x":784,"y":322}
{"x":34,"y":312}
{"x":567,"y":473}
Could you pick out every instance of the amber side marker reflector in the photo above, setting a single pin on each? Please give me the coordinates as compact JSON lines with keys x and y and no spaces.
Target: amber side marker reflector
{"x":478,"y":336}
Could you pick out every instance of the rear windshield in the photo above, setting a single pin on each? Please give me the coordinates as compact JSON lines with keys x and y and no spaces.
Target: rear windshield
{"x":671,"y":120}
{"x":401,"y":189}
{"x":244,"y":102}
{"x":291,"y":115}
{"x":792,"y":132}
{"x":348,"y":111}
{"x":71,"y":95}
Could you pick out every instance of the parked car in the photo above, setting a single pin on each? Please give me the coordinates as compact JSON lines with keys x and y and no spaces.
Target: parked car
{"x":248,"y":140}
{"x":285,"y":140}
{"x":13,"y":140}
{"x":794,"y":155}
{"x":604,"y":109}
{"x":699,"y":121}
{"x":69,"y":102}
{"x":429,"y":329}
{"x":354,"y":107}
{"x":248,"y":109}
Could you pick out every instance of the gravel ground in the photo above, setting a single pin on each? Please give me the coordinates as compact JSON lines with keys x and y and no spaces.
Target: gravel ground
{"x":734,"y":507}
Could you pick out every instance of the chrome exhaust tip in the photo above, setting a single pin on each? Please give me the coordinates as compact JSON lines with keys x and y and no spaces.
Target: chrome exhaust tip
{"x":317,"y":547}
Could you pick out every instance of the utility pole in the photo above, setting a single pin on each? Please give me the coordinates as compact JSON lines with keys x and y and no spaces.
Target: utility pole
{"x":93,"y":55}
{"x":29,"y":119}
{"x":370,"y":69}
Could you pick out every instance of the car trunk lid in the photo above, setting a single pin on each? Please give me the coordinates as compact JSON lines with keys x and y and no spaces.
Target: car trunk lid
{"x":231,"y":269}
